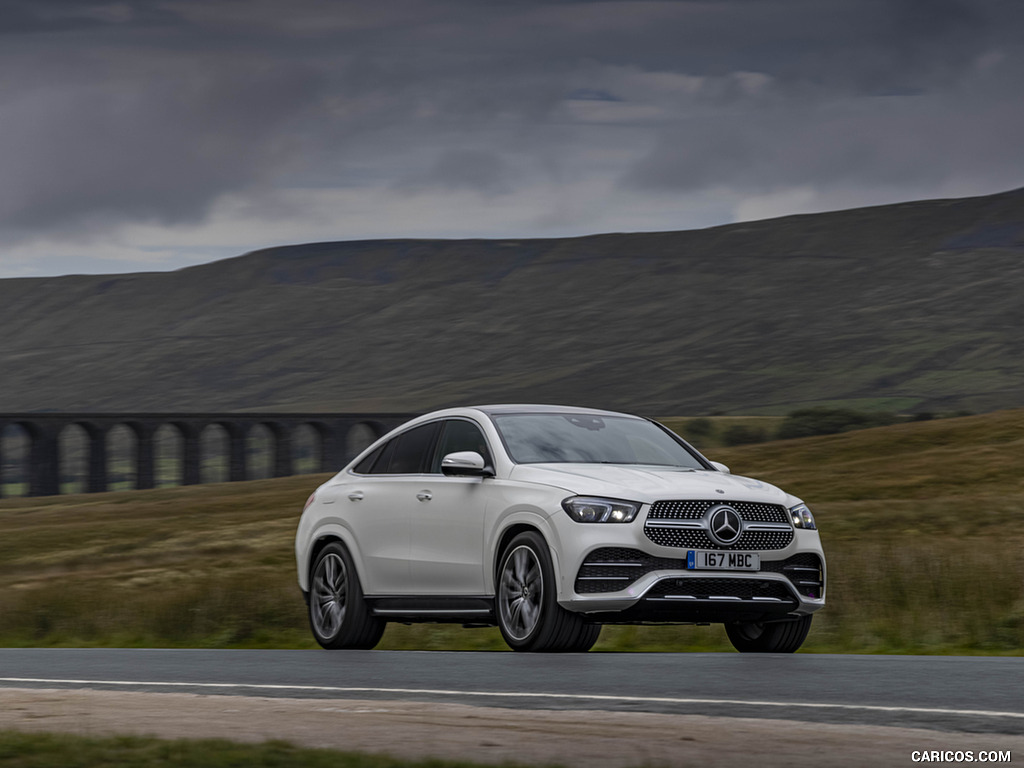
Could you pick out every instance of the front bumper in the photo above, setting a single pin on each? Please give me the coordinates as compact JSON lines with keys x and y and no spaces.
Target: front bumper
{"x":707,"y":596}
{"x":617,"y":574}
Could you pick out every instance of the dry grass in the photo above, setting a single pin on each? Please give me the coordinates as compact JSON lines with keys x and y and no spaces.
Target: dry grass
{"x":924,"y":461}
{"x":923,"y":525}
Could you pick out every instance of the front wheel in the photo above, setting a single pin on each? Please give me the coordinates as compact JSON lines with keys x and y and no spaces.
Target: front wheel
{"x":529,"y":616}
{"x":778,"y":637}
{"x":338,"y":614}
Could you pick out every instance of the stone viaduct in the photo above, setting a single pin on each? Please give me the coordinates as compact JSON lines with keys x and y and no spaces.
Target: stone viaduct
{"x":44,"y":430}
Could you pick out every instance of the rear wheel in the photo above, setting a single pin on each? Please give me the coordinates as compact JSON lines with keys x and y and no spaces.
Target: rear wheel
{"x":777,"y":637}
{"x":338,"y":614}
{"x":529,"y":616}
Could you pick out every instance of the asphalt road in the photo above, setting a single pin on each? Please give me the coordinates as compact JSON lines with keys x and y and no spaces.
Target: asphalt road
{"x":979,"y":694}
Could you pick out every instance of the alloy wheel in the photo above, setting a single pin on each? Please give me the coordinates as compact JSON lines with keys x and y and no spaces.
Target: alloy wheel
{"x":521,"y":592}
{"x":329,"y":595}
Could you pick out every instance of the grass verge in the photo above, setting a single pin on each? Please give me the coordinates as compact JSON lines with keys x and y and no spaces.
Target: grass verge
{"x":922,"y":523}
{"x":22,"y":750}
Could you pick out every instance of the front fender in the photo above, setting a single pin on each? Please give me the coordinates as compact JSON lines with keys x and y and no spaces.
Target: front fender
{"x":532,"y":517}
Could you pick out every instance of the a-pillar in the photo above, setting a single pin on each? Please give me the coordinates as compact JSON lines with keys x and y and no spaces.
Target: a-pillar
{"x":190,"y":454}
{"x":236,"y":452}
{"x":97,"y":459}
{"x":44,"y":473}
{"x":2,"y":425}
{"x":144,"y":456}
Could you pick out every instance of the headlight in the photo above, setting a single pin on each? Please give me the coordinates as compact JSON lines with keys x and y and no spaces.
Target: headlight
{"x":585,"y":509}
{"x":802,"y":517}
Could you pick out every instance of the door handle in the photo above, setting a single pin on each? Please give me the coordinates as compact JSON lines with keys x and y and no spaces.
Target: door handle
{"x":424,"y":495}
{"x":356,"y":496}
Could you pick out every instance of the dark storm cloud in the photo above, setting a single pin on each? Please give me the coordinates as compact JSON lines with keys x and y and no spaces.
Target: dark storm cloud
{"x":463,"y":169}
{"x":152,"y":111}
{"x":850,"y":43}
{"x":154,"y":147}
{"x":19,"y":17}
{"x":919,"y":93}
{"x":152,"y":117}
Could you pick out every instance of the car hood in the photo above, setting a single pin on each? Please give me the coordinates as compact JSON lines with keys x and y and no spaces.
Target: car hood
{"x":648,"y":484}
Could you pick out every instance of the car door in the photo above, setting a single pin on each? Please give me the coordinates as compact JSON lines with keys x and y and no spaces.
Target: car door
{"x":446,"y":545}
{"x":380,"y":501}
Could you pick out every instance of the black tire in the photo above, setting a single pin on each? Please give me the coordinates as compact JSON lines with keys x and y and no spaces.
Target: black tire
{"x":338,"y":613}
{"x":529,"y":616}
{"x":778,"y":637}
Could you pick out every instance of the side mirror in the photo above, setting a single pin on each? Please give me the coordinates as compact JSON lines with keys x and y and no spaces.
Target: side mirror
{"x":720,"y":467}
{"x":465,"y":464}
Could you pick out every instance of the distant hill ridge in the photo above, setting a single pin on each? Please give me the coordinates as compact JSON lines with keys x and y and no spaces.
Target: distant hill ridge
{"x":915,"y":306}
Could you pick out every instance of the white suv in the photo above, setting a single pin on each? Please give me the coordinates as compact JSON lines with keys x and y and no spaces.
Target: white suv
{"x":550,"y":521}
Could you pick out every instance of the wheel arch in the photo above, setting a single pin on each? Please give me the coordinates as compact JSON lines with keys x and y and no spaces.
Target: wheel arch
{"x":318,"y":547}
{"x":320,"y":539}
{"x":510,"y":533}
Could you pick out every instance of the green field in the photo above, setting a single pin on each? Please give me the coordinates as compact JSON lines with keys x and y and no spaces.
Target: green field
{"x":21,"y":750}
{"x":923,"y":525}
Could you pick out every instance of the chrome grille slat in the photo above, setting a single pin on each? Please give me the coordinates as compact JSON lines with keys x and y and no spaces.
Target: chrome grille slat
{"x":615,"y":565}
{"x":668,"y":598}
{"x":695,"y":509}
{"x":804,"y":570}
{"x":721,"y":589}
{"x":699,"y":539}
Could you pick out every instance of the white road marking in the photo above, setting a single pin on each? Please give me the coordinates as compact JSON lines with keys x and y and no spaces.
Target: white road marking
{"x":520,"y":695}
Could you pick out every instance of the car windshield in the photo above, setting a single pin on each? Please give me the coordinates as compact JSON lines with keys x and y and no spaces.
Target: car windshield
{"x":534,"y":438}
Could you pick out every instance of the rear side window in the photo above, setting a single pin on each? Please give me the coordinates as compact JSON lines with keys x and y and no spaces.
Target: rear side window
{"x":380,"y":466}
{"x":407,"y":454}
{"x":364,"y":466}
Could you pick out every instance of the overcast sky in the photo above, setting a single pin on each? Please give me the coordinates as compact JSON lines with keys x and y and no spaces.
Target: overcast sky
{"x":153,"y":135}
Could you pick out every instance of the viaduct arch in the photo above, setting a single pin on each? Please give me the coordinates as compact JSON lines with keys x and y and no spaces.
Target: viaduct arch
{"x":43,"y":432}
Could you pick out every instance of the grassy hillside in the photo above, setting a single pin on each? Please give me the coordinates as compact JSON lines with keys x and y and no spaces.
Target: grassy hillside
{"x":923,"y":525}
{"x":902,"y":307}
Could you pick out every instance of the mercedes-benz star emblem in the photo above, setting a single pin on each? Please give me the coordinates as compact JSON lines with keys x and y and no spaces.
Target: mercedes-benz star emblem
{"x":724,"y":524}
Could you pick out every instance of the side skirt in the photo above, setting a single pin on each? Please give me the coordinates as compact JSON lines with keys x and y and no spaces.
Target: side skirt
{"x":447,"y":610}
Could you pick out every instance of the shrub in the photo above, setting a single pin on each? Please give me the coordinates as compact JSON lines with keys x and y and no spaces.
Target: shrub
{"x":699,"y":430}
{"x":828,"y":421}
{"x":740,"y":434}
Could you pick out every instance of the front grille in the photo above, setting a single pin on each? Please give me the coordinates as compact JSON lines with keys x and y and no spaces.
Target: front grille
{"x":803,"y":570}
{"x":752,"y":512}
{"x":695,"y":538}
{"x":707,"y":589}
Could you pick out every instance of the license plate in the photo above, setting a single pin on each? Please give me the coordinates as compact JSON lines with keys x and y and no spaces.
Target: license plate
{"x":700,"y":560}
